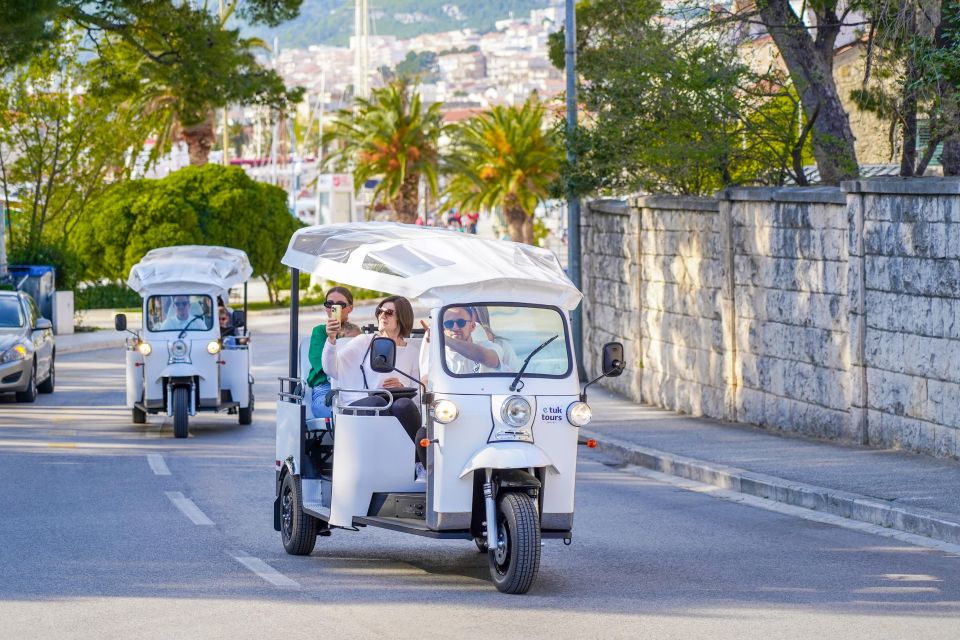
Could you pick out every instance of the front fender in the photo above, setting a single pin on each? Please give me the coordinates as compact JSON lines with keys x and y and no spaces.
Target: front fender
{"x":181,"y":370}
{"x":508,"y":455}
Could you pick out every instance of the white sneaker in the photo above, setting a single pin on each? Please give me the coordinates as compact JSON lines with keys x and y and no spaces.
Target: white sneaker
{"x":421,"y":473}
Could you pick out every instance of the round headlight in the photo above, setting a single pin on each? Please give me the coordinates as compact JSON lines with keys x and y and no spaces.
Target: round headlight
{"x":144,"y":348}
{"x":515,"y":411}
{"x":445,"y":411}
{"x":178,"y":349}
{"x":213,"y":347}
{"x":579,"y":414}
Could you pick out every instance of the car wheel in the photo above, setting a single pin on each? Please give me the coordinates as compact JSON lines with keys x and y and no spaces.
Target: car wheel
{"x":30,"y":393}
{"x":47,"y":385}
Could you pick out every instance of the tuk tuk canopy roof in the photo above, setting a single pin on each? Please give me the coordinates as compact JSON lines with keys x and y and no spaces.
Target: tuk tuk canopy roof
{"x":436,"y":266}
{"x":176,"y":269}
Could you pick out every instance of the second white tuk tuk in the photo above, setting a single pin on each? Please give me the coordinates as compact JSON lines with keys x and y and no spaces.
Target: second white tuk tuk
{"x":501,"y":435}
{"x":185,"y":359}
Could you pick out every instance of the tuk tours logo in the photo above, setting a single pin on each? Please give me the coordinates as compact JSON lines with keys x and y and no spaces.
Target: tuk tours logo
{"x":551,"y":414}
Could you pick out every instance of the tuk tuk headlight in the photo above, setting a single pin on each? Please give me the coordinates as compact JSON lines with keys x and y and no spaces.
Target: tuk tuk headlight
{"x":213,"y":347}
{"x":515,"y":411}
{"x":17,"y":352}
{"x":144,"y":348}
{"x":579,"y":414}
{"x":178,"y":349}
{"x":445,"y":411}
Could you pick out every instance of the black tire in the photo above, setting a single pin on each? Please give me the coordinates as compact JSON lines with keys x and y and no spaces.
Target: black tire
{"x":47,"y":385}
{"x":30,"y":393}
{"x":514,"y":565}
{"x":139,"y":416}
{"x":181,"y":409}
{"x":246,"y":413}
{"x":298,"y":531}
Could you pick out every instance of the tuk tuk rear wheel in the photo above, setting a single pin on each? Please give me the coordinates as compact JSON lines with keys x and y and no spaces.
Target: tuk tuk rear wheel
{"x":298,"y":531}
{"x":246,"y":413}
{"x":181,"y":403}
{"x":516,"y":560}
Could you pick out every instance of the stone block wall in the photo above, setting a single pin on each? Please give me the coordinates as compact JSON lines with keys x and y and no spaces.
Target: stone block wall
{"x":611,"y":303}
{"x":833,"y":312}
{"x":789,"y":321}
{"x":904,"y":275}
{"x":681,"y":328}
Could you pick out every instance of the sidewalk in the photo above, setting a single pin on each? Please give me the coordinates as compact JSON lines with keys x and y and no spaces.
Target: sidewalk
{"x":895,"y":489}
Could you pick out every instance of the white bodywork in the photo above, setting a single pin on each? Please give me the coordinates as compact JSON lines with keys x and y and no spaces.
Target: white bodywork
{"x":194,"y":270}
{"x":373,"y":454}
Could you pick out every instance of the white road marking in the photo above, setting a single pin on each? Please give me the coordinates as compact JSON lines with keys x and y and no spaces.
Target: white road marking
{"x":158,"y":464}
{"x":798,"y":512}
{"x":188,"y":508}
{"x":266,"y":572}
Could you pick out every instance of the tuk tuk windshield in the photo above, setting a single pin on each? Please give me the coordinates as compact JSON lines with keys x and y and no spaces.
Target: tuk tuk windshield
{"x":496,"y":339}
{"x":179,"y":312}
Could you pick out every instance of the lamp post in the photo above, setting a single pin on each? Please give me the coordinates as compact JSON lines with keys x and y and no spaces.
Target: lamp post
{"x":573,"y":202}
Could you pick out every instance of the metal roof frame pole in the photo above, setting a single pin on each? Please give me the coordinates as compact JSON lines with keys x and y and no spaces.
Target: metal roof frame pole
{"x":3,"y":239}
{"x":573,"y":201}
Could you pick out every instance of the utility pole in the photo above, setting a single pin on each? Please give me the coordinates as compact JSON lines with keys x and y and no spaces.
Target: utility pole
{"x":573,"y":201}
{"x":224,"y":159}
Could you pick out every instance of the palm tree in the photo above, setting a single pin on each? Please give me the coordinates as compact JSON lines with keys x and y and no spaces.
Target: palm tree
{"x":505,"y":158}
{"x":390,"y":136}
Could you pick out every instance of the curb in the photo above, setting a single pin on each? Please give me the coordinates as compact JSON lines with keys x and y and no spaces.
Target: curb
{"x":839,"y":503}
{"x":91,"y":346}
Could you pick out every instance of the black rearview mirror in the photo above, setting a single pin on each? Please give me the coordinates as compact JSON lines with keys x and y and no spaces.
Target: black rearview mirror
{"x":120,"y":322}
{"x":239,"y":319}
{"x":383,"y":355}
{"x":612,"y":359}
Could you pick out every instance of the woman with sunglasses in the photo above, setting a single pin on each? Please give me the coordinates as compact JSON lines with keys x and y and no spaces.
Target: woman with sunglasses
{"x":347,"y":363}
{"x":318,"y":379}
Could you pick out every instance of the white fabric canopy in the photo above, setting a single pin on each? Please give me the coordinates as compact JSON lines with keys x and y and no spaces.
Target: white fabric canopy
{"x":189,"y":268}
{"x":436,"y":266}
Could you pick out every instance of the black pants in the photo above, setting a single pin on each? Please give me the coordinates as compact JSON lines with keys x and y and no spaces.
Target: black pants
{"x":405,"y":410}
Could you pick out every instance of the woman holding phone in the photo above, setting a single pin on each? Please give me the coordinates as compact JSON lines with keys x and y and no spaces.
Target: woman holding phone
{"x":338,"y":304}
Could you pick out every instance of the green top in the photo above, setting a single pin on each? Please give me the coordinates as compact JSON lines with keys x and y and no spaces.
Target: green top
{"x":318,"y":338}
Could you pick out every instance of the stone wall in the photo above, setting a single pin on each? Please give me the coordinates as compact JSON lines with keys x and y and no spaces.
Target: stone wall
{"x":789,"y":279}
{"x":904,"y":279}
{"x":831,"y":312}
{"x":681,"y":328}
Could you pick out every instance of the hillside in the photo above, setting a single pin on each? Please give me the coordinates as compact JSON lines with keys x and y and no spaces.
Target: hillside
{"x":331,"y":21}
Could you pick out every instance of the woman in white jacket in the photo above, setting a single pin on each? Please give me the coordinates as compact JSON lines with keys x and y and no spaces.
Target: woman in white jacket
{"x":348,"y":365}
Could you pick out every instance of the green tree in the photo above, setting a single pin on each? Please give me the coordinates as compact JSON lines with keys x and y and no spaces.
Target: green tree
{"x":674,"y":111}
{"x":212,"y":205}
{"x":391,"y":137}
{"x":505,"y":158}
{"x":59,"y":147}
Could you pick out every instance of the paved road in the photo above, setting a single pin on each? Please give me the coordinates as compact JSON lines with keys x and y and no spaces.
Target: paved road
{"x":110,"y":529}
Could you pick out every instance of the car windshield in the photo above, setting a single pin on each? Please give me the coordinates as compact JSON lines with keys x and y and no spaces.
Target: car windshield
{"x":180,"y":312}
{"x":11,"y":314}
{"x":497,"y":339}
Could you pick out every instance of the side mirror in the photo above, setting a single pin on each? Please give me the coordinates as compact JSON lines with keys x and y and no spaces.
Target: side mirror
{"x":612,"y":359}
{"x":383,"y":355}
{"x":239,"y":319}
{"x":120,"y":322}
{"x":43,"y":323}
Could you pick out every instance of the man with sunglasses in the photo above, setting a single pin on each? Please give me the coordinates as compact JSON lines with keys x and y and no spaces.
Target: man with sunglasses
{"x":178,"y":315}
{"x":463,"y":353}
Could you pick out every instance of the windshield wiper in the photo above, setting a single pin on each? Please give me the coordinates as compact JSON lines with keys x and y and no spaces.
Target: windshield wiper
{"x":187,"y":326}
{"x":513,"y":385}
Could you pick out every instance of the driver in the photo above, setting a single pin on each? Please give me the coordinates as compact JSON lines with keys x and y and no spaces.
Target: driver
{"x":181,"y":315}
{"x":465,"y":353}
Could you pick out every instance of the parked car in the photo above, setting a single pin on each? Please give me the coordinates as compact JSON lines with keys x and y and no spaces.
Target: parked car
{"x":27,"y":349}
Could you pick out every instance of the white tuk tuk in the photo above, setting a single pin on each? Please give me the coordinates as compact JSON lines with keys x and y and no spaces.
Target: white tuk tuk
{"x":184,"y":361}
{"x":501,"y":440}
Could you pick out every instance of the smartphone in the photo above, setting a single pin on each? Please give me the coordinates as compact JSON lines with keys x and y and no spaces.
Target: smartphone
{"x":335,"y":312}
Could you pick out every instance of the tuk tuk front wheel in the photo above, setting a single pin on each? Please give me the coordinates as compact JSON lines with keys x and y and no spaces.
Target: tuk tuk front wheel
{"x":298,"y":531}
{"x":181,"y":404}
{"x":516,"y":560}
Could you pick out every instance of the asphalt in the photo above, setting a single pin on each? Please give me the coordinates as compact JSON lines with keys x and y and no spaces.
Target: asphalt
{"x":912,"y":493}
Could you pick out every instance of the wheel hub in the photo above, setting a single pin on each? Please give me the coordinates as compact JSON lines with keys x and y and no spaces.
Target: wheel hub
{"x":500,"y":553}
{"x":287,"y":516}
